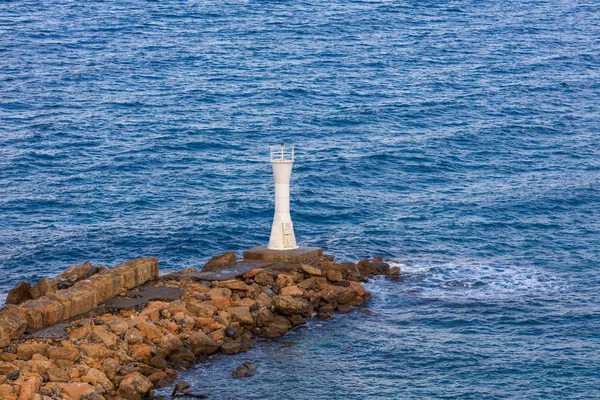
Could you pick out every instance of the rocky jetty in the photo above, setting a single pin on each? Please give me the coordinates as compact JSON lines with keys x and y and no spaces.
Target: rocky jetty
{"x":126,"y":353}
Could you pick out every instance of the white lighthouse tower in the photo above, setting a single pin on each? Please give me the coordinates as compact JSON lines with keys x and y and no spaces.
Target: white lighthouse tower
{"x":282,"y":245}
{"x":282,"y":230}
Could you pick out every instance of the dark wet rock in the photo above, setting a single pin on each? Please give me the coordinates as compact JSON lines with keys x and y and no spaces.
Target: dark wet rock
{"x":324,"y":316}
{"x":222,"y":260}
{"x":276,"y":289}
{"x":232,"y":333}
{"x":383,"y":268}
{"x":19,"y":294}
{"x":75,"y":273}
{"x":158,"y":362}
{"x":244,"y":370}
{"x":14,"y":374}
{"x":341,"y":283}
{"x":267,"y":290}
{"x":180,"y":387}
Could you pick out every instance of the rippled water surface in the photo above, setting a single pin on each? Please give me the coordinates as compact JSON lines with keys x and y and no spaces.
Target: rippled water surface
{"x":459,"y":138}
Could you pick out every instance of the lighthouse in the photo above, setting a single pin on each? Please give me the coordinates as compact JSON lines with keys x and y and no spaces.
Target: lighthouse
{"x":282,"y":245}
{"x":282,"y":230}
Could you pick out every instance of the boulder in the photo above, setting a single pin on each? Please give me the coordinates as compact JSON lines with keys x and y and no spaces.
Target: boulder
{"x":73,"y":274}
{"x":28,"y":349}
{"x":311,"y":270}
{"x":7,"y":367}
{"x":150,"y":331}
{"x":76,"y":390}
{"x":291,"y":291}
{"x":170,"y":343}
{"x":232,"y":284}
{"x":104,"y":334}
{"x":31,"y":385}
{"x":202,"y":344}
{"x":94,"y":350}
{"x":231,"y":347}
{"x":278,"y":327}
{"x":264,"y":279}
{"x":158,"y":362}
{"x":19,"y":294}
{"x":241,"y":315}
{"x":99,"y":380}
{"x":134,"y":385}
{"x":284,"y":280}
{"x":140,"y":351}
{"x":344,"y":294}
{"x":201,"y":310}
{"x":43,"y":287}
{"x":307,"y":284}
{"x":383,"y":268}
{"x":334,"y":276}
{"x":243,"y":370}
{"x":264,"y":300}
{"x":57,"y":375}
{"x":183,"y":354}
{"x":394,"y":271}
{"x":118,"y":326}
{"x":220,"y":303}
{"x":222,"y":260}
{"x":289,"y":305}
{"x":69,"y":353}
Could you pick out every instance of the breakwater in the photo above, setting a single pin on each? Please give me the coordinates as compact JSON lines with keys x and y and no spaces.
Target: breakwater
{"x":114,"y":341}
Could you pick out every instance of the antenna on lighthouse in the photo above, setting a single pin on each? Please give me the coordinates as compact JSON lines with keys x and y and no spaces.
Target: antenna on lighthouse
{"x":282,"y":230}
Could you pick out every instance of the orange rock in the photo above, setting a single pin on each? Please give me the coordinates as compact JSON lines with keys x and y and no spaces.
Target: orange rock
{"x":241,"y":315}
{"x":207,"y":323}
{"x":70,"y":353}
{"x":134,"y":336}
{"x":27,"y":350}
{"x":7,"y":392}
{"x":93,"y":350}
{"x":134,"y":385}
{"x":99,"y":380}
{"x":252,"y":273}
{"x":232,"y":284}
{"x":76,"y":391}
{"x":203,"y":344}
{"x":264,"y":300}
{"x":334,"y":276}
{"x":118,"y":325}
{"x":284,"y":280}
{"x":221,"y":260}
{"x":201,"y":310}
{"x":311,"y":270}
{"x":344,"y":294}
{"x":292,"y":291}
{"x":140,"y":351}
{"x":246,"y":302}
{"x":31,"y":385}
{"x":150,"y":331}
{"x":357,"y":288}
{"x":102,"y":333}
{"x":219,"y":292}
{"x":221,"y":303}
{"x":170,"y":343}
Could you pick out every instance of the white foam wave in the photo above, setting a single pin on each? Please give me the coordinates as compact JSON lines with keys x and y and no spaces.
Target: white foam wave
{"x":473,"y":280}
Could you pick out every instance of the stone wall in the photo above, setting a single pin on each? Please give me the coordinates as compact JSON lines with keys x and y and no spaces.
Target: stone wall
{"x":82,"y":297}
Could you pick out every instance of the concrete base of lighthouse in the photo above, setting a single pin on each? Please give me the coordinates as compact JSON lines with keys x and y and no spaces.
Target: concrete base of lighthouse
{"x":301,"y":254}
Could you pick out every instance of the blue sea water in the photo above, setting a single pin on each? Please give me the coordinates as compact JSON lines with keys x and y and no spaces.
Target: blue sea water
{"x":459,"y":138}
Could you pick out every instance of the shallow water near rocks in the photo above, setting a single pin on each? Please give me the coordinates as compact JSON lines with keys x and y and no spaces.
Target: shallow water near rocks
{"x":459,"y":138}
